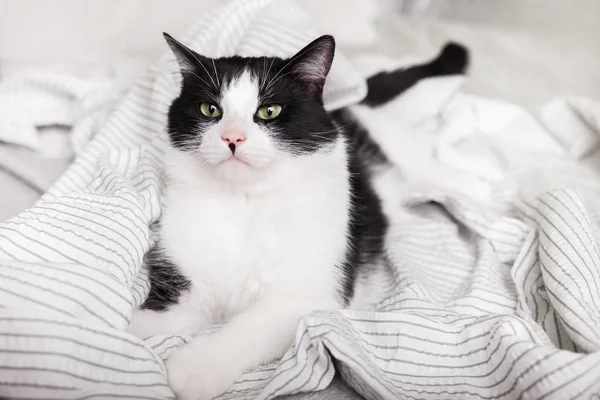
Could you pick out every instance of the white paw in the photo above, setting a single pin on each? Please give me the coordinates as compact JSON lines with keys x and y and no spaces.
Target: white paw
{"x":198,"y":372}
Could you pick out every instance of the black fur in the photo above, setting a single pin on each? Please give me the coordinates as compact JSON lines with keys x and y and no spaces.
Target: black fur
{"x":304,"y":126}
{"x":166,"y":282}
{"x":384,"y":86}
{"x":368,"y":224}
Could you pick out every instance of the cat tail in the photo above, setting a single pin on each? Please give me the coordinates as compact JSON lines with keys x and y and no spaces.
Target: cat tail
{"x":384,"y":86}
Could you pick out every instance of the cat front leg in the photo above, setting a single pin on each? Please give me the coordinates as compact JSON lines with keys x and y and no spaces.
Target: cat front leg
{"x":189,"y":316}
{"x":208,"y":365}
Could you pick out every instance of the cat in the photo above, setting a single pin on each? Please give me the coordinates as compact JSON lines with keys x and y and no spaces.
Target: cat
{"x":274,"y":209}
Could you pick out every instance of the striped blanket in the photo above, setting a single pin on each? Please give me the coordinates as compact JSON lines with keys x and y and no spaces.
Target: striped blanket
{"x":483,"y":303}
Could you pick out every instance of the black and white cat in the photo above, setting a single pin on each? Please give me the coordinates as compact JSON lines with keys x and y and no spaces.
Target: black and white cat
{"x":273,"y":209}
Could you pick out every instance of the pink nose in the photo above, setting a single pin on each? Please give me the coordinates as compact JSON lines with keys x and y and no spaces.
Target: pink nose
{"x":233,"y":137}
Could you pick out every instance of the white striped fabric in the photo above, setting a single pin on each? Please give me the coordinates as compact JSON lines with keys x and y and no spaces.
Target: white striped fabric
{"x":71,"y":265}
{"x":40,"y":98}
{"x":478,"y":305}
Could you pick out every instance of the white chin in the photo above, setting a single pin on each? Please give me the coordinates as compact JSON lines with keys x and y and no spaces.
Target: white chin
{"x":236,"y":170}
{"x":236,"y":163}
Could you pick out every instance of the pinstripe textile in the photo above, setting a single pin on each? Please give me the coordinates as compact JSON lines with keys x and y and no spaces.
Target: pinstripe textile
{"x":479,"y":305}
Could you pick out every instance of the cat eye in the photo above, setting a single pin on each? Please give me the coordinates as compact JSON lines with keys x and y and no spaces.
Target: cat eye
{"x":210,"y":110}
{"x":270,"y":111}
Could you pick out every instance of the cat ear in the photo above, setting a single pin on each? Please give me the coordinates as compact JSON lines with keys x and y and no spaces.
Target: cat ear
{"x":312,"y":63}
{"x":187,"y":58}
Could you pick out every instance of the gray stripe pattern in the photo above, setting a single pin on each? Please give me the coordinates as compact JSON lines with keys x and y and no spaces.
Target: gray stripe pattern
{"x":71,"y":266}
{"x":478,"y":305}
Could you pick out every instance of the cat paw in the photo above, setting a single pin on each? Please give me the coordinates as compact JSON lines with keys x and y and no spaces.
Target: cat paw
{"x":196,"y":372}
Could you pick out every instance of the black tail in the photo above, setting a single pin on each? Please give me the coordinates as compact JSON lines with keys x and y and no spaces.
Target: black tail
{"x":383,"y":87}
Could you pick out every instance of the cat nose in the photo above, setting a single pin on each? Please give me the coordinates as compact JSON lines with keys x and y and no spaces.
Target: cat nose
{"x":234,"y":137}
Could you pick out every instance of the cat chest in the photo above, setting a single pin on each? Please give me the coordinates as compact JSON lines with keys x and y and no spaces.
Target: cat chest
{"x":245,"y":245}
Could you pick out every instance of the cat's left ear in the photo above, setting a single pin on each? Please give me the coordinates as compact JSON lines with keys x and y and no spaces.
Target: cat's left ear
{"x":187,"y":58}
{"x":311,"y":64}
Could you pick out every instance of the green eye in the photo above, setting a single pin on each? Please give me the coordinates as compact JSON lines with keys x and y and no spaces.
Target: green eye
{"x":210,"y":110}
{"x":269,"y":111}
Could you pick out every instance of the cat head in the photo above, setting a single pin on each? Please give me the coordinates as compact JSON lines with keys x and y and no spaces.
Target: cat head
{"x":241,"y":115}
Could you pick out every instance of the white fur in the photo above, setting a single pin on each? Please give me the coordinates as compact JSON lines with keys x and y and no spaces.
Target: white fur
{"x":259,"y":239}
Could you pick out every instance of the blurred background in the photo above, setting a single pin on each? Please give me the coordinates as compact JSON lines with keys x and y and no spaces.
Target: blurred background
{"x":523,"y":52}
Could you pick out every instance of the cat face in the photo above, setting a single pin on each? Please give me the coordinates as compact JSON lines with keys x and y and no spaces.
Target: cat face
{"x":239,"y":116}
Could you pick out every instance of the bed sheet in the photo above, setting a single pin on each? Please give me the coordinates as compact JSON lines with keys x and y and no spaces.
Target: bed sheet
{"x":494,"y":290}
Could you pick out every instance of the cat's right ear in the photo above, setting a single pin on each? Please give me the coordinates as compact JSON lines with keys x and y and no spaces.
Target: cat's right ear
{"x":311,"y":64}
{"x":187,"y":58}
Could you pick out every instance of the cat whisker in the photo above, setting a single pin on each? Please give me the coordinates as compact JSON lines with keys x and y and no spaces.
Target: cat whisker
{"x":325,"y":132}
{"x":191,"y":53}
{"x":209,"y":75}
{"x":216,"y":74}
{"x":270,"y":66}
{"x":197,"y":76}
{"x":264,"y":75}
{"x":277,"y":80}
{"x":331,"y":139}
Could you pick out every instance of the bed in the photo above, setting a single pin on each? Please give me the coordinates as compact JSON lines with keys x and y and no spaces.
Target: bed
{"x":495,"y":288}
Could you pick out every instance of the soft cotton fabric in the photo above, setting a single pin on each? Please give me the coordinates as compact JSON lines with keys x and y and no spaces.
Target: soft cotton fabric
{"x":482,"y":303}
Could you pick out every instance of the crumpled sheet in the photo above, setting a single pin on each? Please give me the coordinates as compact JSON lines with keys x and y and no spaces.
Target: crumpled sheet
{"x":494,"y":291}
{"x":71,"y":266}
{"x":46,"y":119}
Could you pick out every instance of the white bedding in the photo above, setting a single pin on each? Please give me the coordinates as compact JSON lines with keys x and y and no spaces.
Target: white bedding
{"x":486,"y":301}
